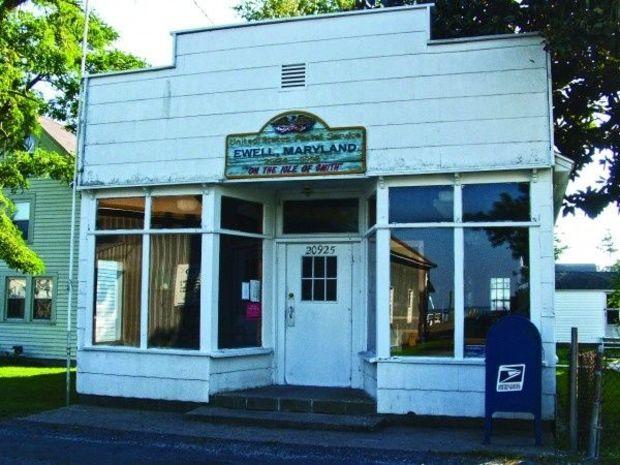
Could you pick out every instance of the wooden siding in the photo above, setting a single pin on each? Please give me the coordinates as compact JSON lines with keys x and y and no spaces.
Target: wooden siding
{"x":51,"y":213}
{"x":582,"y":309}
{"x":428,"y":107}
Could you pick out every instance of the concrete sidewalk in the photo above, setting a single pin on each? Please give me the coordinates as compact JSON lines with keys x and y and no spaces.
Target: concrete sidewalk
{"x":518,"y":444}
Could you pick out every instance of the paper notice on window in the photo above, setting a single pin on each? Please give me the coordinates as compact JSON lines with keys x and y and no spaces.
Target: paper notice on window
{"x":180,"y":284}
{"x":254,"y":290}
{"x":245,"y":290}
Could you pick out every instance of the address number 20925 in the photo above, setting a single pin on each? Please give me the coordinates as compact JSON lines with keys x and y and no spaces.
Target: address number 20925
{"x":320,"y":249}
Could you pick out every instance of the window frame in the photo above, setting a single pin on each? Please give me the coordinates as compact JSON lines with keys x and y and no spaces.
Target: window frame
{"x":29,"y":299}
{"x":210,"y":232}
{"x":31,"y":199}
{"x":458,"y":227}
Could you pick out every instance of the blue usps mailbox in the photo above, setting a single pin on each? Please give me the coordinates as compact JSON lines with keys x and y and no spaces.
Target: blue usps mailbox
{"x":513,"y":371}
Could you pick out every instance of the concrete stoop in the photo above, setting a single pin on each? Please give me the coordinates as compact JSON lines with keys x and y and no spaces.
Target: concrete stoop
{"x":301,"y":407}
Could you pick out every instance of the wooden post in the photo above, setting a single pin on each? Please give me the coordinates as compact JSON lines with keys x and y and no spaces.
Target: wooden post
{"x":574,"y":365}
{"x":595,"y":426}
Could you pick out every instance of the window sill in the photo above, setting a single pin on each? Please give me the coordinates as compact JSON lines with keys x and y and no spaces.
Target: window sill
{"x":244,"y":352}
{"x":225,"y":353}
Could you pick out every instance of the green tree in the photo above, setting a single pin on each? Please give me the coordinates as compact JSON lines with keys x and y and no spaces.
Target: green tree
{"x":40,"y":50}
{"x":582,"y":37}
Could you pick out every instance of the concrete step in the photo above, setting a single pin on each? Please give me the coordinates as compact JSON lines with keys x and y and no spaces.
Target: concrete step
{"x":296,"y":420}
{"x":307,"y":399}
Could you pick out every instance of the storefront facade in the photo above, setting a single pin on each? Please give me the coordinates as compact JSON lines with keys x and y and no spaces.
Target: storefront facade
{"x":325,"y":201}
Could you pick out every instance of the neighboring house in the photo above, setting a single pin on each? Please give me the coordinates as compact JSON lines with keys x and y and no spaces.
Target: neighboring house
{"x":582,"y":300}
{"x":33,"y":309}
{"x":252,"y":213}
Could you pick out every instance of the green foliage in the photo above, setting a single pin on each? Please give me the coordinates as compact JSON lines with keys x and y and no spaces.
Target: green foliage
{"x":582,"y":37}
{"x":40,"y":48}
{"x":614,"y":298}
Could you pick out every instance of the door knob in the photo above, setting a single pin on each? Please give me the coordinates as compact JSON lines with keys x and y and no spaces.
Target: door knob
{"x":290,"y":310}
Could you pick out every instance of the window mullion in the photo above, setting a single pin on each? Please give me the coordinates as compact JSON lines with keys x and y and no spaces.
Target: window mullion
{"x":144,"y":290}
{"x":459,"y":293}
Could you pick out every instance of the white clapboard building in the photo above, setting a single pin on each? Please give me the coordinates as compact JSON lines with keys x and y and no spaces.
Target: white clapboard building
{"x":336,"y":201}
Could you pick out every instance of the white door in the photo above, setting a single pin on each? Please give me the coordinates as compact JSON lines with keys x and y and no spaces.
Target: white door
{"x":318,"y":314}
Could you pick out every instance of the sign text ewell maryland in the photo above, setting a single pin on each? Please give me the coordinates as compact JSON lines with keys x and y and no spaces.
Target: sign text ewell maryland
{"x":296,"y":144}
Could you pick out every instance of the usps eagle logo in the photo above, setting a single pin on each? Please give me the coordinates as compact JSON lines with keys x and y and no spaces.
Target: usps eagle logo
{"x":510,"y":378}
{"x":293,"y":123}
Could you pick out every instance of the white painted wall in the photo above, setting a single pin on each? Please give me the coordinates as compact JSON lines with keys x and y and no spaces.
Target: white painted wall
{"x":584,"y":309}
{"x":428,"y":106}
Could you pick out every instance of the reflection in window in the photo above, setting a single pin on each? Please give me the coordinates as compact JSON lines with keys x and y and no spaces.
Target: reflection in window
{"x":496,"y":280}
{"x":16,"y":298}
{"x":43,"y":299}
{"x":176,"y":211}
{"x":21,"y":218}
{"x":242,"y":215}
{"x":240,"y":286}
{"x":496,"y":202}
{"x":120,"y":213}
{"x":320,"y":216}
{"x":421,"y":204}
{"x":117,"y":290}
{"x":422,"y":297}
{"x":371,"y":282}
{"x":174,"y":291}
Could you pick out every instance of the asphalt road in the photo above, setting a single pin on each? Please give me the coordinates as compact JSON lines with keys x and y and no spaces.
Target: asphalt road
{"x":23,"y":442}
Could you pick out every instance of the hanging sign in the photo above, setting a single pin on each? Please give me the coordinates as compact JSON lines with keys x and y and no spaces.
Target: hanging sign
{"x":296,"y":144}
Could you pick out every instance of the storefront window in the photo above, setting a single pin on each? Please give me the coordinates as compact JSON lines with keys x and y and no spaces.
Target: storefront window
{"x":423,"y":204}
{"x":242,"y":215}
{"x":176,"y":211}
{"x":422,"y":291}
{"x":496,"y":202}
{"x":118,"y":269}
{"x":240,"y":292}
{"x":321,"y":216}
{"x":496,"y":274}
{"x":372,"y":210}
{"x":174,"y":291}
{"x":120,"y":213}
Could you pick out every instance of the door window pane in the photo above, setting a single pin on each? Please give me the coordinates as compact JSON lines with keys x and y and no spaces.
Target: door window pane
{"x":319,"y":279}
{"x":242,"y":215}
{"x":120,"y":213}
{"x":320,"y":216}
{"x":43,"y":299}
{"x":422,"y":291}
{"x":508,"y":201}
{"x":117,"y":290}
{"x":421,"y":204}
{"x":16,"y":298}
{"x":176,"y":211}
{"x":174,"y":291}
{"x":496,"y":273}
{"x":21,"y":218}
{"x":240,"y":286}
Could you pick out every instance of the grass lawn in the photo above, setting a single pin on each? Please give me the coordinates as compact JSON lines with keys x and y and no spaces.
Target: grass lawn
{"x":29,"y":389}
{"x":610,"y":444}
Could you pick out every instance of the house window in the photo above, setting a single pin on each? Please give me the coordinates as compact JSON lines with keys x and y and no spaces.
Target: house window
{"x":43,"y":299}
{"x":432,"y":250}
{"x":500,"y":294}
{"x":21,"y":218}
{"x":16,"y":298}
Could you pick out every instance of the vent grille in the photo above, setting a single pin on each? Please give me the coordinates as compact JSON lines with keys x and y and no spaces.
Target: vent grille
{"x":293,"y":75}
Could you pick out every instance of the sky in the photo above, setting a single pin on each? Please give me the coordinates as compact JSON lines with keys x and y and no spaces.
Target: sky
{"x":144,"y":27}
